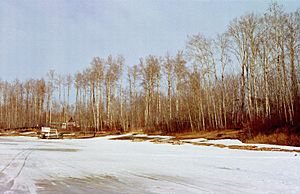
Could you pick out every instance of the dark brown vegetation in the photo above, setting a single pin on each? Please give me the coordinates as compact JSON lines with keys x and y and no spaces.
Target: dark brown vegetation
{"x":280,"y":136}
{"x":246,"y":78}
{"x":211,"y":135}
{"x":180,"y":138}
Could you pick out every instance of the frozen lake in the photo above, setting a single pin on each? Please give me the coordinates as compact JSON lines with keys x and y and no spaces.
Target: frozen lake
{"x":100,"y":165}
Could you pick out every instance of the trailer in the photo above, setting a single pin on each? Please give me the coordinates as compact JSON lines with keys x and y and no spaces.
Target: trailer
{"x":49,"y":133}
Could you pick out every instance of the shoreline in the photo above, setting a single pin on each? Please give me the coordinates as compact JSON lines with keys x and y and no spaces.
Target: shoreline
{"x":220,"y":141}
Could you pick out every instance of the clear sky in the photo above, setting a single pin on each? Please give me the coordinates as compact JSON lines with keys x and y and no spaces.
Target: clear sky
{"x":39,"y":35}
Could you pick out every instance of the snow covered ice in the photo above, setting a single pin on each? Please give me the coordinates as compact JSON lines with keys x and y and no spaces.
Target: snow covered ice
{"x":100,"y":165}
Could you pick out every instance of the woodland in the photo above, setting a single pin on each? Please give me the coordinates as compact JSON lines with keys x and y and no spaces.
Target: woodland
{"x":246,"y":78}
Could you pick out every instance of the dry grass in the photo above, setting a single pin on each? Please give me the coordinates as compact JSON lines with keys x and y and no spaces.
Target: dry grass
{"x":132,"y":138}
{"x":216,"y":134}
{"x":276,"y":138}
{"x":279,"y":137}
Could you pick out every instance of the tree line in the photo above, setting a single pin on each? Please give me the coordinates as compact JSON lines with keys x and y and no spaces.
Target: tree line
{"x":246,"y":77}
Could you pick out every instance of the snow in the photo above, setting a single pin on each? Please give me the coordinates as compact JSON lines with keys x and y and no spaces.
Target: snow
{"x":226,"y":142}
{"x":275,"y":146}
{"x":153,"y":136}
{"x":138,"y":136}
{"x":117,"y":136}
{"x":195,"y":140}
{"x":229,"y":142}
{"x":100,"y":165}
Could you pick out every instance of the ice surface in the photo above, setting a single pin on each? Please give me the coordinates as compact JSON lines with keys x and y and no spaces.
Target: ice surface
{"x":100,"y":165}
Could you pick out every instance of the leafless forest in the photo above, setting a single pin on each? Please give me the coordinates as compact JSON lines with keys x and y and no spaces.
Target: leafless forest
{"x":246,"y":77}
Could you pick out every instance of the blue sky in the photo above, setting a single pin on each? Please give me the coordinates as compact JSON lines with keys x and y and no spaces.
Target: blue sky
{"x":39,"y":35}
